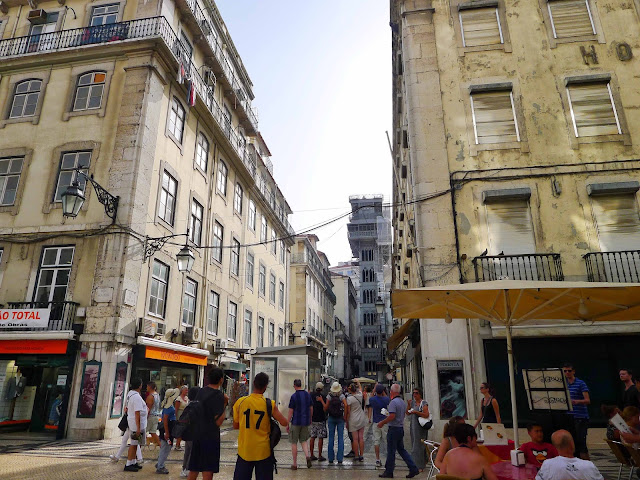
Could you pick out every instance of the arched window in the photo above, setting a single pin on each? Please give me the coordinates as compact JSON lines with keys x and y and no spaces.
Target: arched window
{"x":89,"y":91}
{"x":25,"y":98}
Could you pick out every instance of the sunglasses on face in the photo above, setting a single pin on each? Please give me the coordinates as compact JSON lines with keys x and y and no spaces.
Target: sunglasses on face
{"x":567,"y":371}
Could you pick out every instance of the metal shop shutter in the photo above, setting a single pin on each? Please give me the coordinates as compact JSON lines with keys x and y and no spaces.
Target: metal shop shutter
{"x":593,"y":110}
{"x":618,"y":222}
{"x":494,"y":117}
{"x":570,"y":18}
{"x":480,"y":26}
{"x":510,"y":228}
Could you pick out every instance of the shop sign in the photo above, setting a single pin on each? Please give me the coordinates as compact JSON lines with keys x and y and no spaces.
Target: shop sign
{"x":33,"y":346}
{"x":173,"y":356}
{"x":24,"y":317}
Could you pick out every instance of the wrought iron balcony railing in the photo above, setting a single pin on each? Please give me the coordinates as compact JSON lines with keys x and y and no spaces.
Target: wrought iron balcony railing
{"x":535,"y":266}
{"x":62,"y":316}
{"x":317,"y":334}
{"x":623,"y":266}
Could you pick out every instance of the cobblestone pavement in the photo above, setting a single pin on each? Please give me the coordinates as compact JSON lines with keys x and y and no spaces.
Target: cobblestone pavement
{"x":29,"y":456}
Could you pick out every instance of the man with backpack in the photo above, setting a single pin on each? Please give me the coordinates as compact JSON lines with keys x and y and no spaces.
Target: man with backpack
{"x":336,"y":407}
{"x":300,"y":413}
{"x":318,"y":422}
{"x":254,"y":443}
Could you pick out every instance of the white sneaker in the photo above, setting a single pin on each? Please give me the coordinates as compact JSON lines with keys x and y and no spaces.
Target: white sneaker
{"x":184,"y":473}
{"x":113,"y":458}
{"x":140,"y":461}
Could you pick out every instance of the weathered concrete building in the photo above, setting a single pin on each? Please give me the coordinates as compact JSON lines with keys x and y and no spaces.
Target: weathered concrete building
{"x":152,"y":101}
{"x":515,"y":149}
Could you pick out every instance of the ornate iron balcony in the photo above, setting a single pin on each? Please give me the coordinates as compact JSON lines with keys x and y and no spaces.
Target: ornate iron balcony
{"x":535,"y":266}
{"x":623,"y":266}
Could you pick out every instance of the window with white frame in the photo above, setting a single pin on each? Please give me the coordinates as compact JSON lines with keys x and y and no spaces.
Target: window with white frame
{"x":168,"y":193}
{"x":252,"y":215}
{"x":235,"y":257}
{"x":189,"y":302}
{"x":260,"y":341}
{"x":195,"y":222}
{"x":89,"y":91}
{"x":10,"y":171}
{"x":176,"y":120}
{"x":480,"y":27}
{"x":571,"y":18}
{"x":218,"y":236}
{"x":221,"y":183}
{"x":250,"y":269}
{"x":263,"y":229}
{"x":25,"y":98}
{"x":281,"y":298}
{"x":202,"y":152}
{"x":232,"y":321}
{"x":262,"y":280}
{"x":593,"y":110}
{"x":274,"y":241}
{"x":68,"y":173}
{"x":494,"y":117}
{"x":213,"y":310}
{"x":271,"y":339}
{"x":282,"y":252}
{"x":54,"y":274}
{"x":159,"y":288}
{"x":272,"y":288}
{"x":280,"y":336}
{"x":248,"y":320}
{"x":237,"y":199}
{"x":104,"y":15}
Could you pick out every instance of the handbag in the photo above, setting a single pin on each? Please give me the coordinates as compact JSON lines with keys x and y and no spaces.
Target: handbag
{"x":124,"y":424}
{"x":425,"y":423}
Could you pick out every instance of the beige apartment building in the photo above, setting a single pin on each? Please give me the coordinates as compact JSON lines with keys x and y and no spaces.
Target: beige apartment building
{"x":152,"y":102}
{"x":515,"y":149}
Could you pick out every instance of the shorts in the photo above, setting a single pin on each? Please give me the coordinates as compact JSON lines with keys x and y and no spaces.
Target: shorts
{"x":152,"y":424}
{"x":298,"y":433}
{"x":318,"y":430}
{"x":379,"y":434}
{"x":141,"y":441}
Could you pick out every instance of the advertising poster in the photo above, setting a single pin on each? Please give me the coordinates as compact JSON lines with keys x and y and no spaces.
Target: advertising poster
{"x":118,"y":390}
{"x":89,"y":389}
{"x":268,"y":366}
{"x":453,"y":401}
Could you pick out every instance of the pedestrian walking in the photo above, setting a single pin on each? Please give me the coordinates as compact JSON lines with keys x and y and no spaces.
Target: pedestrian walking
{"x":205,"y":449}
{"x":378,"y":402}
{"x":318,"y":422}
{"x":395,"y":437}
{"x":579,"y":393}
{"x":336,"y":408}
{"x":166,"y":427}
{"x":124,"y":445}
{"x":300,"y":413}
{"x":367,"y":406}
{"x":153,"y":404}
{"x":188,"y":444}
{"x":356,"y":419}
{"x":180,"y":404}
{"x":489,"y":408}
{"x":137,"y":419}
{"x":418,"y":408}
{"x":254,"y":446}
{"x":630,"y":395}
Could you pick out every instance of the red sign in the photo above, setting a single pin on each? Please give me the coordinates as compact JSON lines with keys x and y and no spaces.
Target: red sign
{"x":33,"y":347}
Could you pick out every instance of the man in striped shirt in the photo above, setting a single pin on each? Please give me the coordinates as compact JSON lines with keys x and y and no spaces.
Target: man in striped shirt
{"x":579,"y":399}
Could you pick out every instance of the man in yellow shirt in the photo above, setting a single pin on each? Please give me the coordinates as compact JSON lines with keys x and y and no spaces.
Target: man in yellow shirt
{"x":254,"y":448}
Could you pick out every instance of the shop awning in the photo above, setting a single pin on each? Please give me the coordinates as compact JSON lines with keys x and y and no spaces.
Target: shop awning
{"x":399,"y":335}
{"x":33,"y":347}
{"x":173,"y":352}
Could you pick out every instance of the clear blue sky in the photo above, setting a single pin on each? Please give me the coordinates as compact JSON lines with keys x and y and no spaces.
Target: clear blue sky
{"x":322,"y":79}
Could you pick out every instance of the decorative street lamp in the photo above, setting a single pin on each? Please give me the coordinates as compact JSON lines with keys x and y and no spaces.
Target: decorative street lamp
{"x":73,"y":198}
{"x":185,"y":259}
{"x":379,"y":305}
{"x":303,"y":333}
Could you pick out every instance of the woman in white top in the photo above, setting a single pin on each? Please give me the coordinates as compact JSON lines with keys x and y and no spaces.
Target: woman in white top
{"x":356,"y":419}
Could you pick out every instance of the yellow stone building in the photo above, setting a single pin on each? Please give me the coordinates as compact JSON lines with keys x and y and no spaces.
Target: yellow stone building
{"x":516,"y":145}
{"x":150,"y":100}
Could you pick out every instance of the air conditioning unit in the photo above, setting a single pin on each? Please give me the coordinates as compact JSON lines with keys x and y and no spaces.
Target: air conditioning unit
{"x":220,"y":345}
{"x":193,"y":334}
{"x":147,"y":327}
{"x":209,"y":77}
{"x":37,"y":17}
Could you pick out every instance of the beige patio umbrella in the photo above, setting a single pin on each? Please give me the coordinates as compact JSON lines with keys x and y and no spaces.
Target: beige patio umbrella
{"x":513,"y":302}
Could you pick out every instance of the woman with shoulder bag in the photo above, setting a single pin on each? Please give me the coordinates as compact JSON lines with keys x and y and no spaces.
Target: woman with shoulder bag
{"x":165,"y":427}
{"x":418,"y":409}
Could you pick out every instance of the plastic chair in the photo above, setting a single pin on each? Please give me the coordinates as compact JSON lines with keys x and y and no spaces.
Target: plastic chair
{"x":620,"y":452}
{"x":635,"y":457}
{"x":432,"y":448}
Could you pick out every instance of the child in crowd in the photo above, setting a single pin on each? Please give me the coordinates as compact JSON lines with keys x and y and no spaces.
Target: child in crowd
{"x":536,"y":451}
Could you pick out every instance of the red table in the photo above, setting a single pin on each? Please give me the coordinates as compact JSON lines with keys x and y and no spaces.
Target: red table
{"x":501,"y":451}
{"x":506,"y":471}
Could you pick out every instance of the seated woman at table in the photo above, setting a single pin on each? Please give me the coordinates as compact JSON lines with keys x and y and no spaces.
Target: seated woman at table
{"x":448,"y":440}
{"x":631,"y":415}
{"x":610,"y":411}
{"x":489,"y":408}
{"x":462,"y":461}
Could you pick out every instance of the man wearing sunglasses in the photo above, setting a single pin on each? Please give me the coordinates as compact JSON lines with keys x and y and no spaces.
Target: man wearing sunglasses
{"x":579,"y":399}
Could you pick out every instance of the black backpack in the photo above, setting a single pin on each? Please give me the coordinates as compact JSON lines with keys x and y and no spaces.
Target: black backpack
{"x":190,"y":425}
{"x":335,"y":408}
{"x":274,"y":435}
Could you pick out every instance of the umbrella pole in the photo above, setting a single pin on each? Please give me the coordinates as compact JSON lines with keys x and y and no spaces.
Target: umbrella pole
{"x":512,"y":385}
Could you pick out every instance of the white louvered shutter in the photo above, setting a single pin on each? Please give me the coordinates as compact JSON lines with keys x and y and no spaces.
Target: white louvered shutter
{"x":593,"y":110}
{"x":480,"y":27}
{"x":493,"y":117}
{"x":510,"y":228}
{"x":571,"y":18}
{"x":618,"y":222}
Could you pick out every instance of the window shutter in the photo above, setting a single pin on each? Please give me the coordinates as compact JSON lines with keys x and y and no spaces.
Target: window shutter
{"x":493,"y":117}
{"x":510,"y":228}
{"x":593,"y":110}
{"x":480,"y":27}
{"x":570,"y":18}
{"x":618,"y":222}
